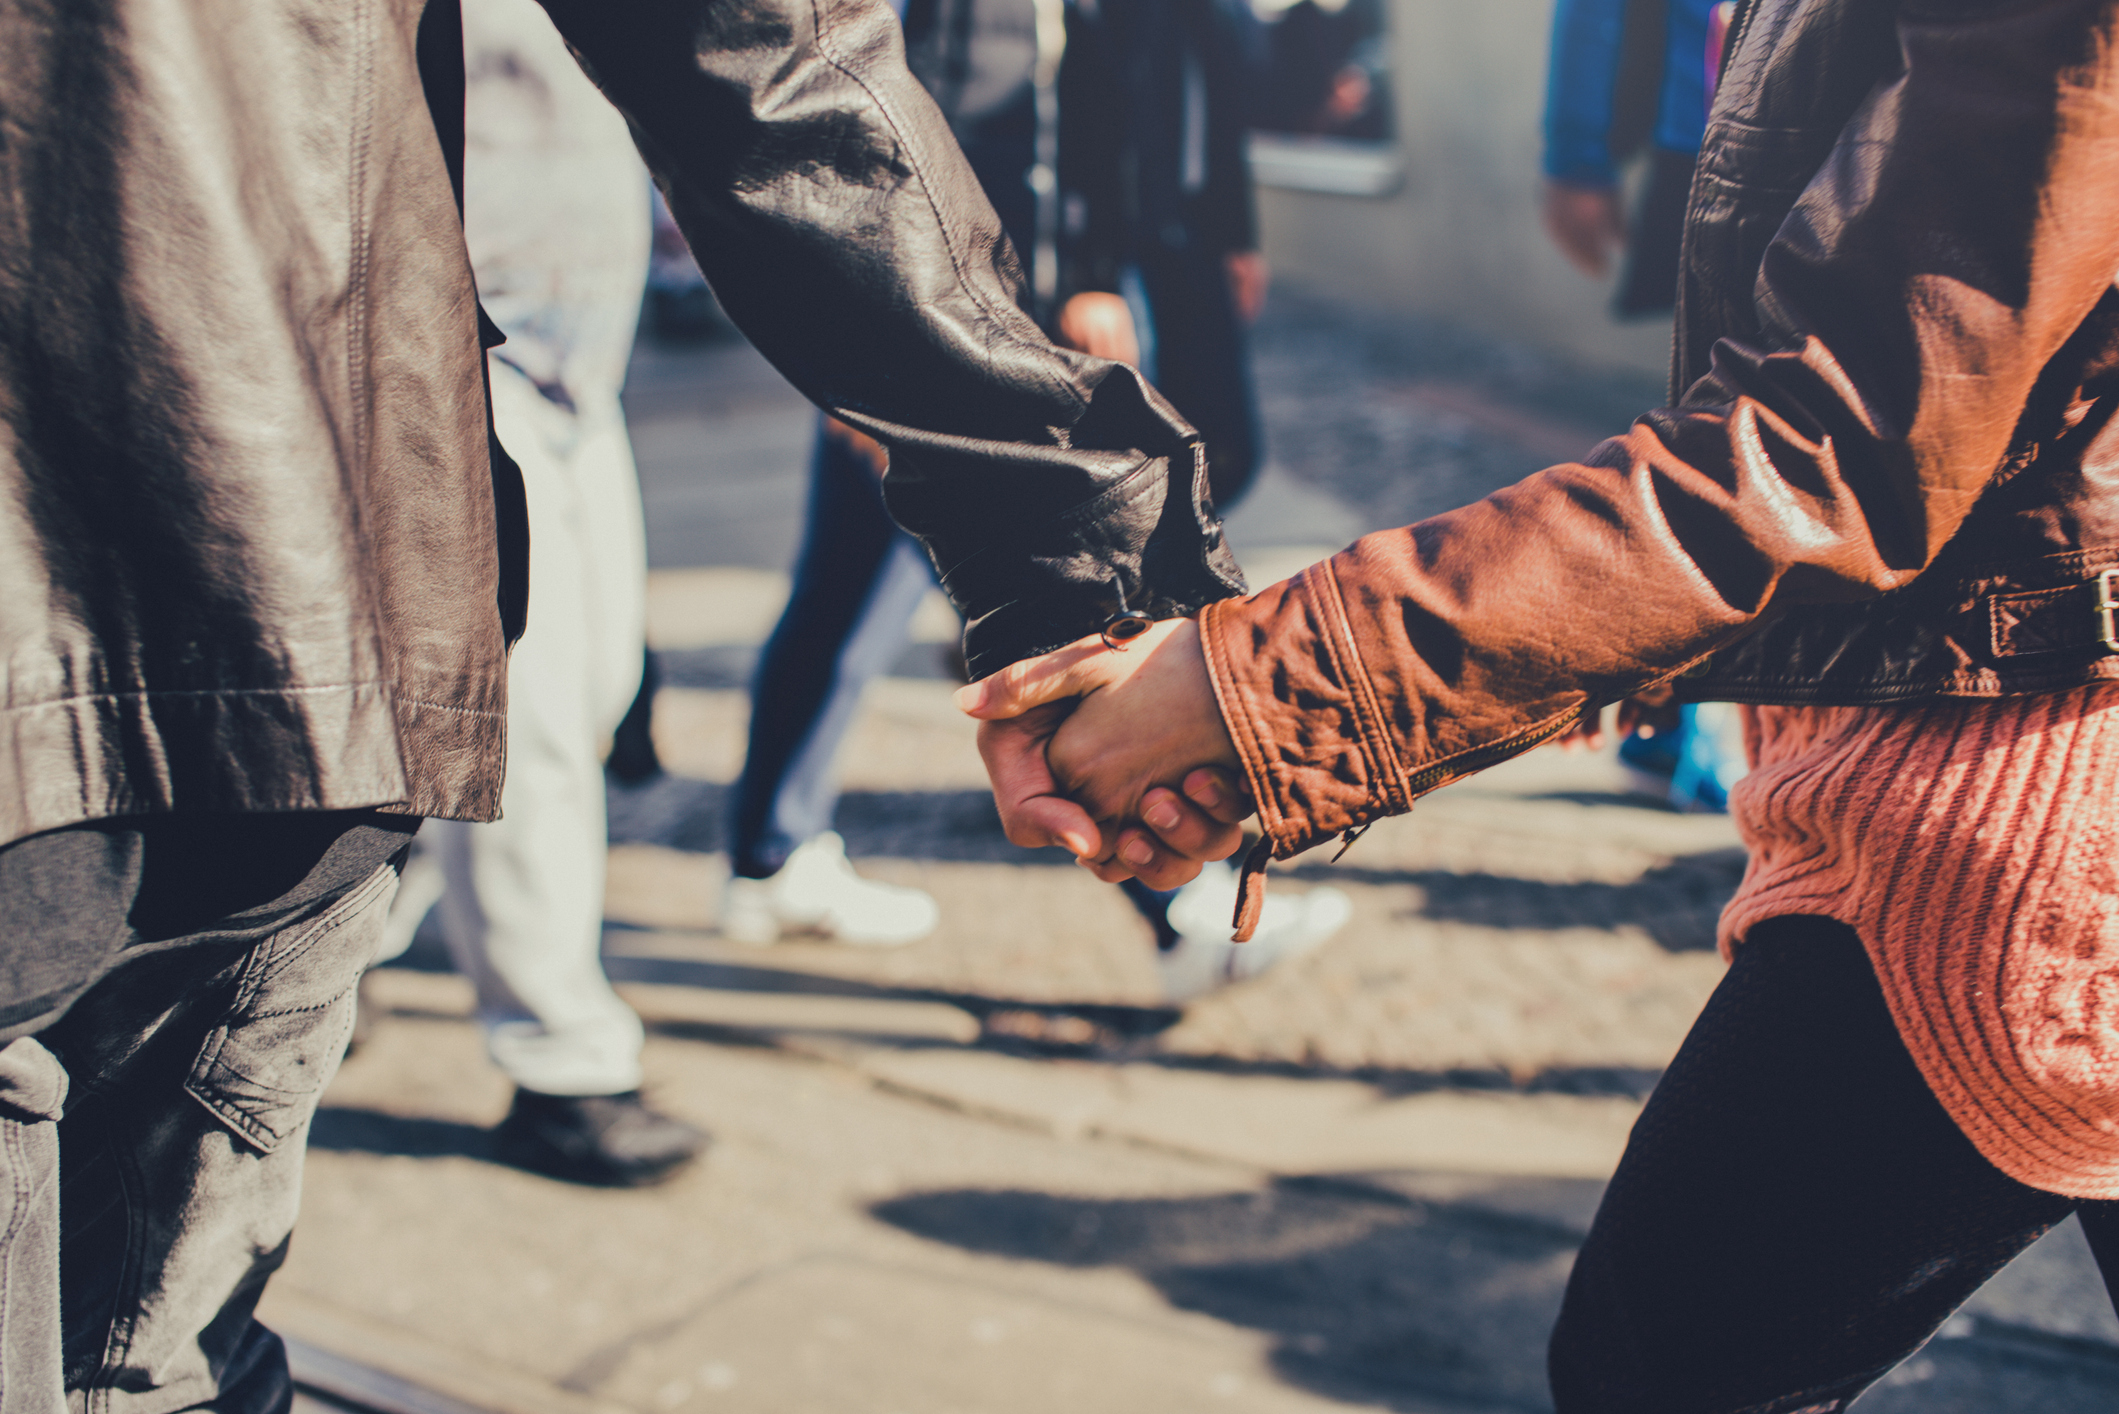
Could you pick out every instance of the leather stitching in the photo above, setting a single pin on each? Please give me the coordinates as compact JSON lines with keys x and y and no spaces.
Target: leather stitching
{"x":1388,"y":774}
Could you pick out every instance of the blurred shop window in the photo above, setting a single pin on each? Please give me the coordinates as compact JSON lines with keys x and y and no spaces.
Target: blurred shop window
{"x":1324,"y":120}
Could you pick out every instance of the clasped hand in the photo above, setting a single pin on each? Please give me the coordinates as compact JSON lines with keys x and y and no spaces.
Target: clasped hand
{"x":1118,"y":755}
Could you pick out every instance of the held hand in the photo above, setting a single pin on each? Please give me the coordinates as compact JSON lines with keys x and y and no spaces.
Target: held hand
{"x":1585,"y":223}
{"x":1101,"y":325}
{"x":1114,"y":730}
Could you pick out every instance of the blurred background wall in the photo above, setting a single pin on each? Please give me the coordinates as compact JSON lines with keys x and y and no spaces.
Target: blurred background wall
{"x":1441,"y":217}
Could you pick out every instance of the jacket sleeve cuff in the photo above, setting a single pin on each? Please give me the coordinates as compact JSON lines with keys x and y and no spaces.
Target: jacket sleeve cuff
{"x":1304,"y":716}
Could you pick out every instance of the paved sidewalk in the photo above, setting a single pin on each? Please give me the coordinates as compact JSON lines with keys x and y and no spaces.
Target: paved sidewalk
{"x":994,"y":1169}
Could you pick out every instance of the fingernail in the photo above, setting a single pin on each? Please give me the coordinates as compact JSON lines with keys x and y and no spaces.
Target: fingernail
{"x":1163,"y":815}
{"x":1136,"y":853}
{"x":968,"y":696}
{"x":1207,"y":794}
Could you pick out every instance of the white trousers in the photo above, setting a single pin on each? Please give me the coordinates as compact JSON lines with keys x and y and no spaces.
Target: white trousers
{"x":522,"y":898}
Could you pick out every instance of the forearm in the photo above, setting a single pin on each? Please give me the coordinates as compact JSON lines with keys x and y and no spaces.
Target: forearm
{"x":1959,"y":233}
{"x":845,"y":234}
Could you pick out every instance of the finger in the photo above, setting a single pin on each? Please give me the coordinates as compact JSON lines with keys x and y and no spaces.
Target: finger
{"x":1033,"y":682}
{"x":1033,"y":812}
{"x":1046,"y":821}
{"x":1153,"y":865}
{"x":1109,"y":870}
{"x":1216,"y":792}
{"x":1184,"y":829}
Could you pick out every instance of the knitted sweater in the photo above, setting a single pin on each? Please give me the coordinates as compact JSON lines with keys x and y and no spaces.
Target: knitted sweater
{"x":1974,"y":846}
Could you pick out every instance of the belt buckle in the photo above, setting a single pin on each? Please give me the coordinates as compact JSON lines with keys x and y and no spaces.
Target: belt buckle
{"x":2108,"y":610}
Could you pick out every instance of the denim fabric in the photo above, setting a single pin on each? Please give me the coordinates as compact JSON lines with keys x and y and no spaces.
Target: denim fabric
{"x":858,"y":582}
{"x":137,"y":1231}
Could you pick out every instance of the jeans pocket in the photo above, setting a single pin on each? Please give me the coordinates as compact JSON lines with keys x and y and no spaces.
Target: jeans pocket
{"x":260,"y":1071}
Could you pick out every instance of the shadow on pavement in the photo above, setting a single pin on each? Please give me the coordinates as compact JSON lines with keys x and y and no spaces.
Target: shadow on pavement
{"x":954,"y":826}
{"x":343,"y":1129}
{"x":1677,"y":904}
{"x":1071,"y":1030}
{"x":1367,"y":1297}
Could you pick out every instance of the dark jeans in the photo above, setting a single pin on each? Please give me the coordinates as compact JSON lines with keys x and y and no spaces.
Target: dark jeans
{"x":1795,"y":1214}
{"x":1202,"y":363}
{"x":857,"y":582}
{"x":151,"y":1136}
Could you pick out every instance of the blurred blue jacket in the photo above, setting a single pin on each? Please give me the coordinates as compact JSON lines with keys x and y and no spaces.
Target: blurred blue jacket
{"x":1587,"y":42}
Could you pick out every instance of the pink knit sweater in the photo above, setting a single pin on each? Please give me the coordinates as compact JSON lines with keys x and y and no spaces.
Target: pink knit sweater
{"x":1974,"y":846}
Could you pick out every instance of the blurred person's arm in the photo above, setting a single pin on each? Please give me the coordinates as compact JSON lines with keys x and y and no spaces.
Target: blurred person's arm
{"x":1964,"y":227}
{"x":1581,"y":195}
{"x":844,"y":233}
{"x":1099,"y":324}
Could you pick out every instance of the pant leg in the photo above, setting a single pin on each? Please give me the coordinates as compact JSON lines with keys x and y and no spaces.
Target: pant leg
{"x":858,"y":581}
{"x":32,"y":1094}
{"x":195,"y":1072}
{"x":1794,"y":1214}
{"x":522,"y":906}
{"x":1203,"y":364}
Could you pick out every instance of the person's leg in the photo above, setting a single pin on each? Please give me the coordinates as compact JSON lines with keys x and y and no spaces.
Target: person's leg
{"x":32,"y":1367}
{"x":1203,"y":365}
{"x":193,"y":1069}
{"x":523,"y":906}
{"x":800,"y":698}
{"x":858,"y":582}
{"x":1795,"y":1213}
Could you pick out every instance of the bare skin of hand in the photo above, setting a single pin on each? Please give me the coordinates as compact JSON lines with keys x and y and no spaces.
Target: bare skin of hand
{"x":867,"y":448}
{"x":1249,"y":278}
{"x":1101,"y":325}
{"x":1650,"y":711}
{"x":1117,"y":755}
{"x":1586,"y":224}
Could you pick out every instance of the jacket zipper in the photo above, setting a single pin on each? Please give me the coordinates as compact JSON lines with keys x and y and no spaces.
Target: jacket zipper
{"x":1434,"y":777}
{"x":1745,"y":9}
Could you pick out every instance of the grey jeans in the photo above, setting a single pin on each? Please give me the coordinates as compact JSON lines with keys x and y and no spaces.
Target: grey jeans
{"x":150,"y":1165}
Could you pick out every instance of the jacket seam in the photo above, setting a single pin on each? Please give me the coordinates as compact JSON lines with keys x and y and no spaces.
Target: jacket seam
{"x":1235,"y":710}
{"x":1387,"y":772}
{"x":357,"y":259}
{"x":204,"y":692}
{"x":957,"y":264}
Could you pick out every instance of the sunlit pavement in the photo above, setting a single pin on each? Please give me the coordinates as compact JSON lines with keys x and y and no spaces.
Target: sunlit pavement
{"x":994,"y":1170}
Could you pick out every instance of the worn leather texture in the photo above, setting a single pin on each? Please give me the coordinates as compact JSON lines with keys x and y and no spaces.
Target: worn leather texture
{"x":1888,"y":470}
{"x":254,"y":552}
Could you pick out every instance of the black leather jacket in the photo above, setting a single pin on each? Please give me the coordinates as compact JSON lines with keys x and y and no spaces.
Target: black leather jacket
{"x":253,"y":553}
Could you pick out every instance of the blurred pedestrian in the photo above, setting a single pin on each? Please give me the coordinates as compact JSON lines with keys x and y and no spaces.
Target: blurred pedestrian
{"x":556,"y":218}
{"x":265,"y":558}
{"x":1877,"y":514}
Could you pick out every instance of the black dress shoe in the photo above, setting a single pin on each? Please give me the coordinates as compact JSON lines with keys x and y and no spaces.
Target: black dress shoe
{"x":614,"y":1141}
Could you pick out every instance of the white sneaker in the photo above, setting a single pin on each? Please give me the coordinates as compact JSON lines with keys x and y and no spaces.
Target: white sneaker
{"x":818,"y":891}
{"x":1203,"y":957}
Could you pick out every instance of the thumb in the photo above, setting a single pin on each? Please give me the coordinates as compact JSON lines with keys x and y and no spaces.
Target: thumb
{"x":1033,"y":682}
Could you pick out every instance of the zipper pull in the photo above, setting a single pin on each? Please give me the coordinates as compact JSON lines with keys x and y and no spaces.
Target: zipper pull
{"x":1346,"y":841}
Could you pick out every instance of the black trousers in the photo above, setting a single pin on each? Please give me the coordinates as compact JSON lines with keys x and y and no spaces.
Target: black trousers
{"x":1795,"y":1214}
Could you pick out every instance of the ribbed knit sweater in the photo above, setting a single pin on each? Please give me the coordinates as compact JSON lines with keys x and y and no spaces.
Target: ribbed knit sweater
{"x":1974,"y":846}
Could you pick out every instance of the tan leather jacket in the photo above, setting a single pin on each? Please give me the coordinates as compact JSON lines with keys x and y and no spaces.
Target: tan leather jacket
{"x":253,"y":554}
{"x":1891,"y":470}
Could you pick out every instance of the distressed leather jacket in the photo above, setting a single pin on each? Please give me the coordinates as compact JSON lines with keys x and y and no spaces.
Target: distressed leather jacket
{"x":1890,"y":469}
{"x":255,"y":554}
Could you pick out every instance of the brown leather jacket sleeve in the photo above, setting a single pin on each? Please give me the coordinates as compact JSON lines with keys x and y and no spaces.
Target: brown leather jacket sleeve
{"x":845,"y":234}
{"x":1960,"y":229}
